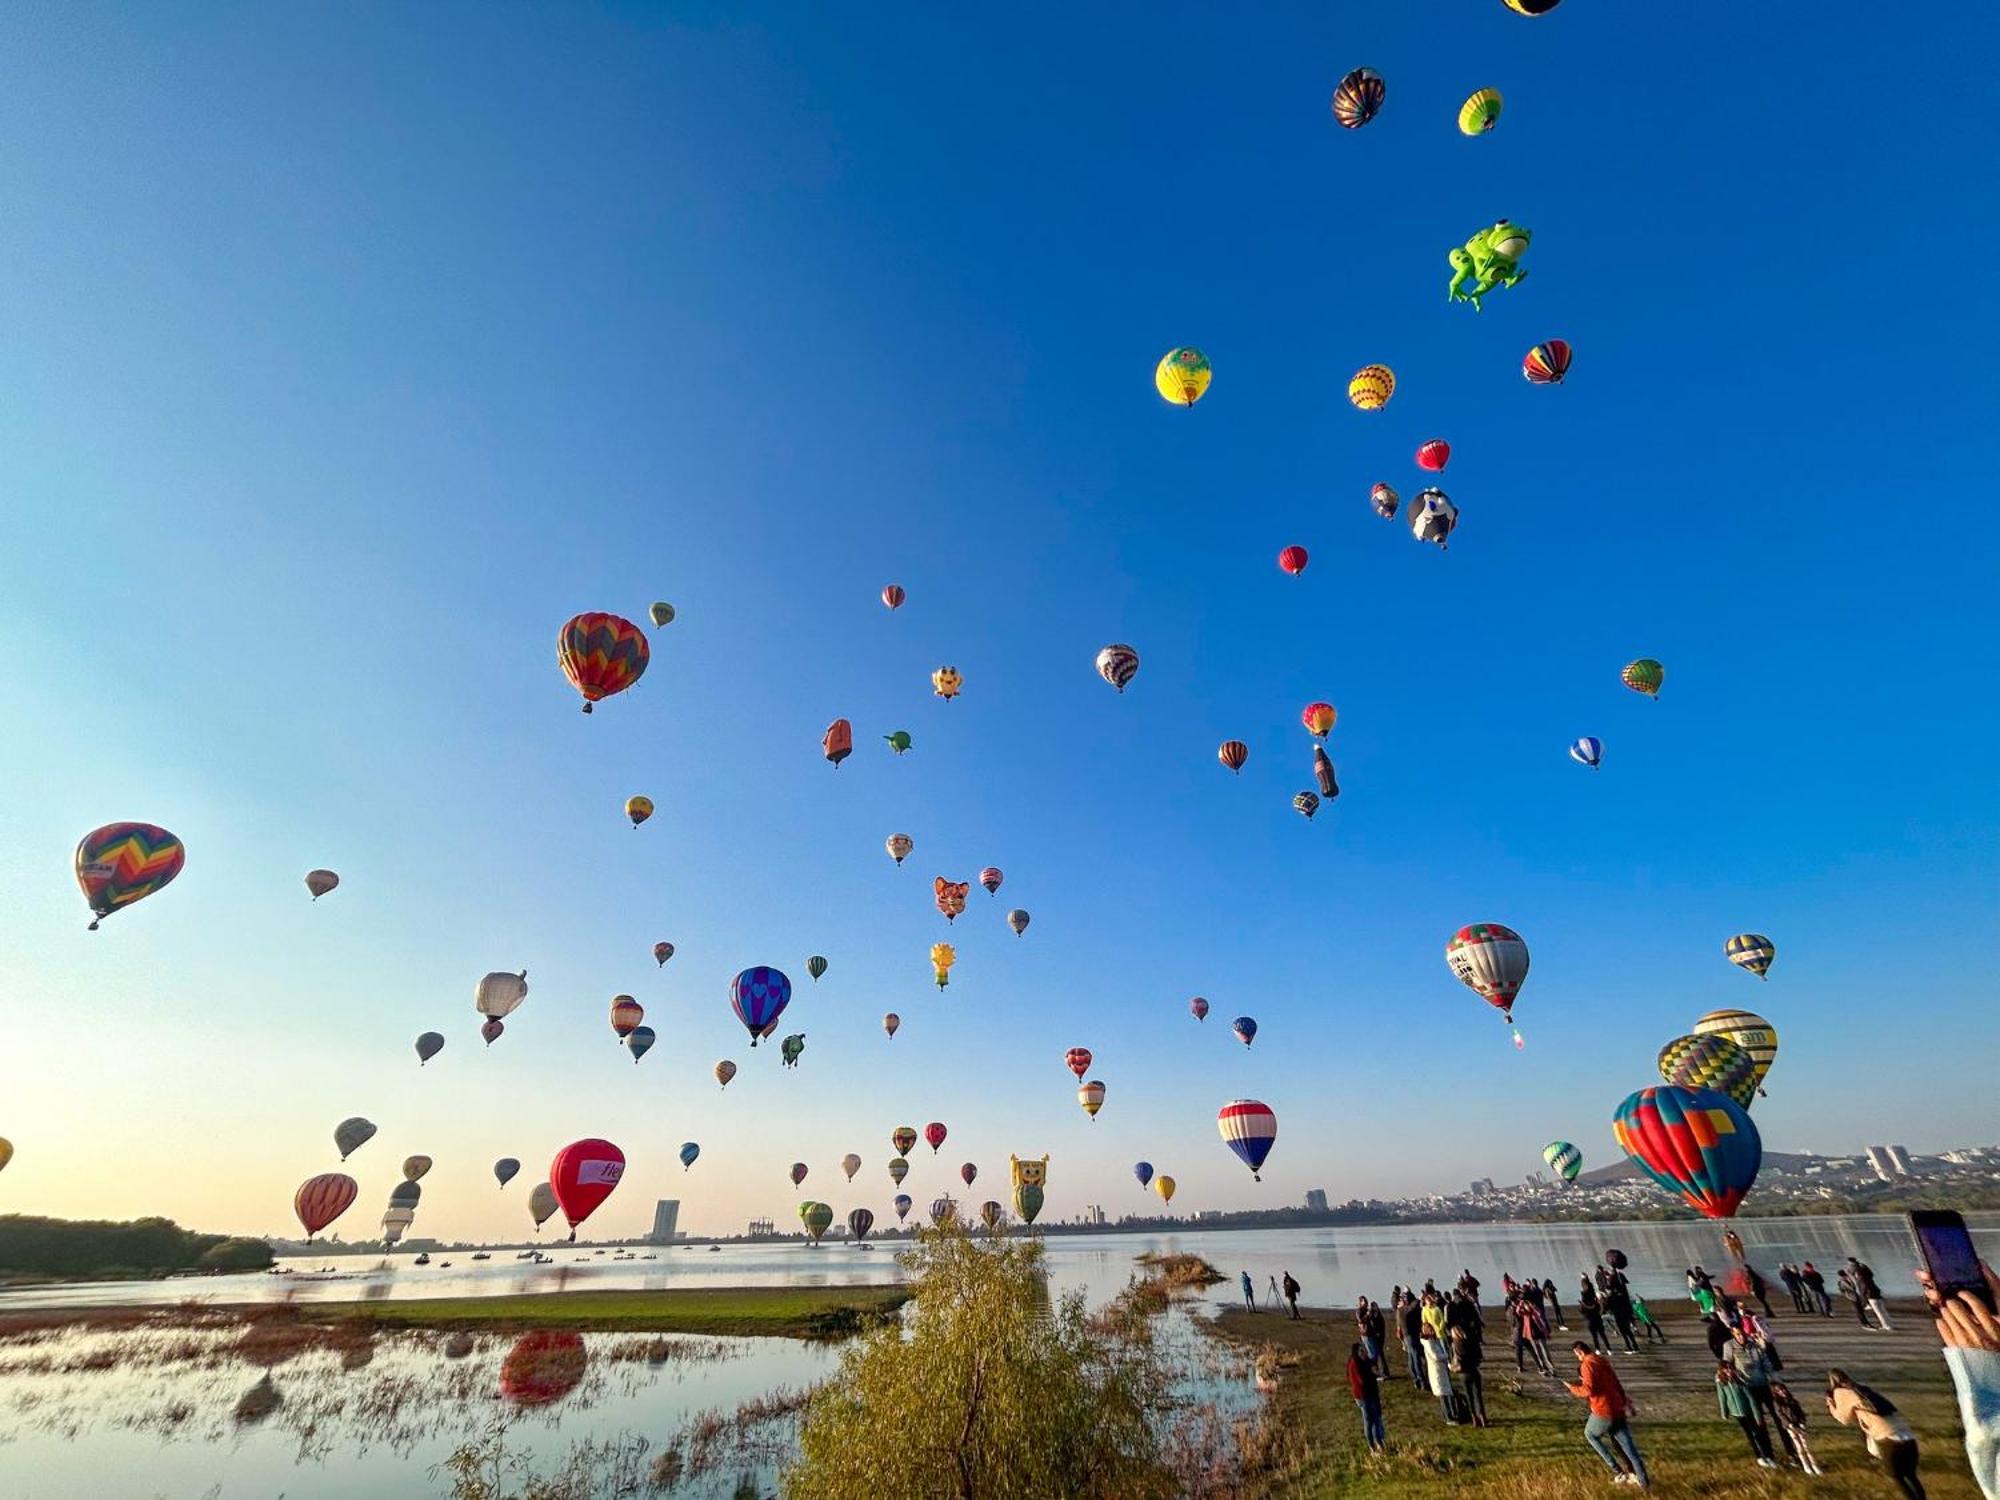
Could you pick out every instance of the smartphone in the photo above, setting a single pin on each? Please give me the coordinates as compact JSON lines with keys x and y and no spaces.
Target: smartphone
{"x":1948,"y":1255}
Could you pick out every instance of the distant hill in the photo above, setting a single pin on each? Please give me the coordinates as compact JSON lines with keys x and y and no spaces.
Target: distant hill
{"x":1624,"y":1171}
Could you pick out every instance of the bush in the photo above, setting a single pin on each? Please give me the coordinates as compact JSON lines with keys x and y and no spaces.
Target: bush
{"x":236,"y":1255}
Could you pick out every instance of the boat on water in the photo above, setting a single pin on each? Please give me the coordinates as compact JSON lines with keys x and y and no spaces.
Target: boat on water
{"x":481,"y":1255}
{"x":424,"y":1258}
{"x":715,"y":1249}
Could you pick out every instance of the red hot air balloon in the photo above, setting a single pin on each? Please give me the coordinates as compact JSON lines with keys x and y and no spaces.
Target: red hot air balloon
{"x":662,"y":952}
{"x":838,"y":742}
{"x":583,"y":1175}
{"x":322,"y":1199}
{"x":1293,"y":560}
{"x":601,"y":654}
{"x":1233,"y":754}
{"x":893,"y":595}
{"x":798,"y":1173}
{"x":1077,"y":1059}
{"x":934,"y":1135}
{"x":1434,"y":455}
{"x":967,"y":1172}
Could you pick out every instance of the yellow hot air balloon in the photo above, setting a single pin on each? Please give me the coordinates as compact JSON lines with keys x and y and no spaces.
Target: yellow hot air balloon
{"x":943,"y":956}
{"x":1091,"y":1097}
{"x":1371,"y":387}
{"x":1182,"y":376}
{"x":1480,"y":113}
{"x":1164,"y":1186}
{"x":638,"y":809}
{"x":946,"y":681}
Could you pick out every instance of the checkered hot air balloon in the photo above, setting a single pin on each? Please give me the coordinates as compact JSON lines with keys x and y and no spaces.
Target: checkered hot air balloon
{"x":1358,"y":97}
{"x":1250,"y":1129}
{"x":759,"y":996}
{"x":1752,"y":951}
{"x":1644,"y":676}
{"x":1563,"y":1159}
{"x":1748,"y":1030}
{"x":125,"y":862}
{"x":601,"y":654}
{"x":1710,"y":1062}
{"x":1546,"y":364}
{"x":1306,"y":804}
{"x":1491,"y":961}
{"x":1694,"y":1142}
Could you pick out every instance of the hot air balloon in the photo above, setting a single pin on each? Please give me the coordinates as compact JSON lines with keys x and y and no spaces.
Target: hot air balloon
{"x":724,"y":1071}
{"x":1433,"y":454}
{"x":1164,"y":1186}
{"x":1245,"y":1028}
{"x":1091,"y":1097}
{"x":414,"y":1168}
{"x":1319,"y":719}
{"x":1489,"y":259}
{"x":1198,"y":1008}
{"x":504,"y":1170}
{"x":838,"y":742}
{"x":943,"y":956}
{"x":409,"y":1192}
{"x":816,"y":966}
{"x":1563,"y":1159}
{"x":1182,"y":376}
{"x":583,"y":1175}
{"x":322,"y":1199}
{"x":992,"y":879}
{"x":1143,"y":1170}
{"x":319,"y":882}
{"x":899,"y":1168}
{"x":1029,"y":1177}
{"x":967,"y":1173}
{"x":942,"y":1209}
{"x":1233,"y":753}
{"x":799,"y":1171}
{"x":1493,"y":962}
{"x":638,"y":809}
{"x":640,"y":1042}
{"x":1118,"y":664}
{"x":429,"y":1045}
{"x":890,"y":1022}
{"x":850,"y":1164}
{"x":1433,"y":518}
{"x":1480,"y":113}
{"x":1748,"y":1030}
{"x":1292,"y":560}
{"x":902,"y":1138}
{"x":946,"y":682}
{"x":817,"y":1218}
{"x":1249,"y":1128}
{"x":990,"y":1214}
{"x":500,"y":994}
{"x":893,"y":595}
{"x":1711,"y":1062}
{"x":934,"y":1134}
{"x":950,"y":896}
{"x":491,"y":1030}
{"x":662,"y":612}
{"x":901,"y":1203}
{"x":1371,"y":387}
{"x":1546,"y":364}
{"x":1588,"y":751}
{"x":1752,"y":951}
{"x":899,"y":741}
{"x":1531,"y":7}
{"x":541,"y":1204}
{"x":125,"y":862}
{"x":1018,"y":919}
{"x":601,"y":654}
{"x":662,"y":952}
{"x":350,"y":1135}
{"x":792,"y":1047}
{"x":1644,"y":676}
{"x":394,"y":1222}
{"x":1077,"y":1060}
{"x":759,"y":996}
{"x":859,"y":1222}
{"x":1358,"y":97}
{"x":1306,"y":803}
{"x":1694,"y":1142}
{"x":543,"y":1367}
{"x":1323,"y":774}
{"x":626,"y":1014}
{"x":1385,"y":500}
{"x":899,"y":846}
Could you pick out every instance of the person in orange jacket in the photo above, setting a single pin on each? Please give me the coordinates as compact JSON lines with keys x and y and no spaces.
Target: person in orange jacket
{"x":1607,"y":1429}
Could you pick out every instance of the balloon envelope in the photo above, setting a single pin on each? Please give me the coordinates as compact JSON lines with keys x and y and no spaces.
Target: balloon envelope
{"x":990,"y":1213}
{"x":1711,"y":1062}
{"x":799,"y":1171}
{"x":662,"y":952}
{"x":899,"y":846}
{"x":640,"y":1042}
{"x":1164,"y":1186}
{"x":902,"y":1138}
{"x":759,"y":996}
{"x":583,"y":1175}
{"x":850,"y":1164}
{"x":662,"y":612}
{"x":1182,"y":376}
{"x":601,"y":654}
{"x":1358,"y":97}
{"x":1292,"y":560}
{"x":816,"y":966}
{"x":500,"y":994}
{"x":1752,"y":952}
{"x":1233,"y":753}
{"x":1433,"y":454}
{"x":1318,"y":719}
{"x":125,"y":862}
{"x":1249,"y":1127}
{"x":638,"y":809}
{"x":1371,"y":387}
{"x":893,"y":595}
{"x":1748,"y":1030}
{"x":1077,"y":1060}
{"x":429,"y":1045}
{"x":901,"y":1203}
{"x":890,"y":1022}
{"x":322,"y":1199}
{"x":541,"y":1202}
{"x":934,"y":1134}
{"x":838,"y":742}
{"x":1694,"y":1142}
{"x":817,"y":1218}
{"x":319,"y":882}
{"x":1588,"y":751}
{"x":414,"y":1168}
{"x":690,"y":1153}
{"x":967,"y":1172}
{"x":1480,"y":113}
{"x":992,"y":879}
{"x":352,"y":1134}
{"x":1198,"y":1008}
{"x":1091,"y":1097}
{"x":504,"y":1170}
{"x":1644,"y":676}
{"x":859,"y":1222}
{"x":1563,"y":1159}
{"x":899,"y":1168}
{"x":626,"y":1014}
{"x":724,"y":1071}
{"x":1491,"y":961}
{"x":1018,"y":920}
{"x":1245,"y":1028}
{"x":1118,"y":664}
{"x":1546,"y":364}
{"x":1143,"y":1170}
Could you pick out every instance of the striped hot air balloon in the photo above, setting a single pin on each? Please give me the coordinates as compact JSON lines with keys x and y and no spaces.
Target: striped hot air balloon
{"x":1358,"y":97}
{"x":1306,"y":803}
{"x":1433,"y":454}
{"x":759,"y":996}
{"x":1118,"y":664}
{"x":1233,"y":753}
{"x":899,"y":1168}
{"x":322,"y":1199}
{"x":1371,"y":387}
{"x":1748,"y":1030}
{"x":1546,"y":363}
{"x":1292,"y":560}
{"x":859,"y":1222}
{"x":893,"y":595}
{"x":817,"y":1218}
{"x":991,"y":1213}
{"x":1752,"y":951}
{"x":902,"y":1138}
{"x":992,"y":879}
{"x":125,"y":862}
{"x":640,"y":1041}
{"x":1710,"y":1062}
{"x":1250,"y":1129}
{"x":1694,"y":1142}
{"x":1563,"y":1159}
{"x":1091,"y":1097}
{"x":1480,"y":113}
{"x":601,"y":654}
{"x":626,"y":1014}
{"x":1588,"y":751}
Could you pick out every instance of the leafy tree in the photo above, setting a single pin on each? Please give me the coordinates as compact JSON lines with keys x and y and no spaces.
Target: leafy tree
{"x":236,"y":1255}
{"x":986,"y":1392}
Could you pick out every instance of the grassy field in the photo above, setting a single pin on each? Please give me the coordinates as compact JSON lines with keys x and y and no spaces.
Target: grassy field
{"x":785,"y":1312}
{"x":1535,"y":1450}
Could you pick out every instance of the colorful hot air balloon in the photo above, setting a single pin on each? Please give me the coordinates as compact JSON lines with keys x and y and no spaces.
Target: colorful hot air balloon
{"x":1358,"y":97}
{"x":943,"y":1209}
{"x":662,"y":952}
{"x":414,"y":1168}
{"x":1292,"y":560}
{"x":1531,"y":7}
{"x":859,"y":1222}
{"x":816,"y":966}
{"x":992,"y":879}
{"x":583,"y":1175}
{"x":638,"y":809}
{"x":1018,"y":919}
{"x":429,"y":1045}
{"x":500,"y":994}
{"x":1077,"y":1060}
{"x":350,"y":1135}
{"x":1164,"y":1186}
{"x":1319,"y":719}
{"x":1563,"y":1159}
{"x":1371,"y":387}
{"x":322,"y":1199}
{"x":724,"y":1071}
{"x":950,"y":896}
{"x":1694,"y":1142}
{"x":1385,"y":500}
{"x":1644,"y":676}
{"x":319,"y":882}
{"x":968,"y":1173}
{"x":759,"y":996}
{"x":1546,"y":364}
{"x":601,"y":654}
{"x":890,"y":1022}
{"x":1245,"y":1028}
{"x":504,"y":1170}
{"x":899,"y":1167}
{"x":1118,"y":664}
{"x":1711,"y":1062}
{"x":799,"y":1170}
{"x":626,"y":1013}
{"x":893,"y":595}
{"x":1198,"y":1008}
{"x":1091,"y":1097}
{"x":1249,"y":1128}
{"x":1588,"y":751}
{"x":1480,"y":113}
{"x":662,"y":612}
{"x":690,"y":1154}
{"x":125,"y":862}
{"x":850,"y":1164}
{"x":1748,"y":1030}
{"x":902,"y":1138}
{"x":1433,"y":518}
{"x":817,"y":1218}
{"x":541,"y":1204}
{"x":946,"y":682}
{"x":899,"y":846}
{"x":1306,"y":803}
{"x":1433,"y":454}
{"x":1492,"y":961}
{"x":1182,"y":376}
{"x":934,"y":1134}
{"x":1030,"y":1176}
{"x":1752,"y":951}
{"x":900,"y":742}
{"x":990,"y":1214}
{"x":543,"y":1367}
{"x":1233,"y":753}
{"x":640,"y":1042}
{"x":490,"y":1030}
{"x":1143,"y":1170}
{"x":838,"y":742}
{"x":901,"y":1203}
{"x":1323,"y":774}
{"x":943,"y":956}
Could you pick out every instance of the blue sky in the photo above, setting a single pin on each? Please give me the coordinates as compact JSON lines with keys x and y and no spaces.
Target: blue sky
{"x":346,"y":355}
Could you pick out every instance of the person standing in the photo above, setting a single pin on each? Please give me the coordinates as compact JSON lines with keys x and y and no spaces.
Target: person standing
{"x":1871,"y":1292}
{"x":1433,"y":1314}
{"x":1815,"y":1283}
{"x":1733,"y":1401}
{"x":1378,"y":1339}
{"x":1607,"y":1430}
{"x":1469,"y":1347}
{"x":1751,"y":1361}
{"x":1555,"y":1307}
{"x":1437,"y":1360}
{"x":1851,"y":1290}
{"x":1789,"y":1274}
{"x":1249,"y":1293}
{"x":1271,"y":1293}
{"x":1410,"y":1327}
{"x":1759,"y":1289}
{"x":1292,"y":1295}
{"x":1889,"y":1438}
{"x":1367,"y":1397}
{"x":1361,"y":1333}
{"x":1535,"y":1334}
{"x":1792,"y":1424}
{"x":1593,"y":1316}
{"x":1618,"y":1303}
{"x":1717,"y":1333}
{"x":1654,"y":1332}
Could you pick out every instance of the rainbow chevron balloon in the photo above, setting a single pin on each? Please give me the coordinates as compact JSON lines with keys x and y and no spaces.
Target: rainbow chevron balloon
{"x":125,"y":862}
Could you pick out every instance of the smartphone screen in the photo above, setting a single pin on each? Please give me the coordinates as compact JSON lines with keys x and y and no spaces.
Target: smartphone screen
{"x":1948,"y":1254}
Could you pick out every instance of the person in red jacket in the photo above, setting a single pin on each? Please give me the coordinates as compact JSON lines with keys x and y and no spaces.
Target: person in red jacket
{"x":1607,"y":1430}
{"x":1368,"y":1396}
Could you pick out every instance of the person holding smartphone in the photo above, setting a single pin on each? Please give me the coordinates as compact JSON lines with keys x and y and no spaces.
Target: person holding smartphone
{"x":1964,"y":1294}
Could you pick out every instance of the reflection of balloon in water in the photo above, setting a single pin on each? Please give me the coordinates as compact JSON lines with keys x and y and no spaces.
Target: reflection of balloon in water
{"x":1433,"y":454}
{"x":893,"y":595}
{"x":850,"y":1164}
{"x":1164,"y":1186}
{"x":1233,"y":753}
{"x":1385,"y":500}
{"x":662,"y":952}
{"x":1588,"y":751}
{"x":638,"y":809}
{"x":1480,"y":113}
{"x":601,"y":654}
{"x":1546,"y":364}
{"x":890,"y":1022}
{"x":640,"y":1042}
{"x":504,"y":1170}
{"x":724,"y":1071}
{"x":967,"y":1172}
{"x":1306,"y":803}
{"x":899,"y":846}
{"x":859,"y":1222}
{"x":322,"y":1199}
{"x":838,"y":742}
{"x":1318,"y":718}
{"x":543,"y":1367}
{"x":934,"y":1134}
{"x":541,"y":1203}
{"x":1644,"y":676}
{"x":1249,"y":1128}
{"x":901,"y":1203}
{"x":1118,"y":664}
{"x":1563,"y":1159}
{"x":1182,"y":376}
{"x":1752,"y":951}
{"x":1077,"y":1060}
{"x":626,"y":1014}
{"x":992,"y":879}
{"x":1358,"y":97}
{"x":429,"y":1045}
{"x":817,"y":1218}
{"x":414,"y":1168}
{"x":1371,"y":387}
{"x":500,"y":994}
{"x":1748,"y":1030}
{"x":1292,"y":560}
{"x":662,"y":612}
{"x":1492,"y":961}
{"x":125,"y":862}
{"x":899,"y":1168}
{"x":1694,"y":1142}
{"x":902,"y":1138}
{"x":1245,"y":1028}
{"x":816,"y":966}
{"x":1143,"y":1170}
{"x":583,"y":1175}
{"x":1710,"y":1062}
{"x":759,"y":996}
{"x":1198,"y":1008}
{"x":352,"y":1134}
{"x":319,"y":882}
{"x":1091,"y":1097}
{"x":1018,"y":919}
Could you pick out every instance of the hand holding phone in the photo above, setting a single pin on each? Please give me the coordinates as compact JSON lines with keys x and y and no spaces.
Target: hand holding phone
{"x":1961,"y":1288}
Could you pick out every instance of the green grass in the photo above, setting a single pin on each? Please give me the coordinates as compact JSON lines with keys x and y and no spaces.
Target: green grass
{"x":784,"y":1312}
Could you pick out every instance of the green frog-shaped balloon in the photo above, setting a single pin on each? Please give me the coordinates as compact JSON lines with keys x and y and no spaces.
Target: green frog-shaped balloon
{"x":1491,"y":258}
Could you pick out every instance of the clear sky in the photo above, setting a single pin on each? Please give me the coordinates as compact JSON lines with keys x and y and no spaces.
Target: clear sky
{"x":345,"y":354}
